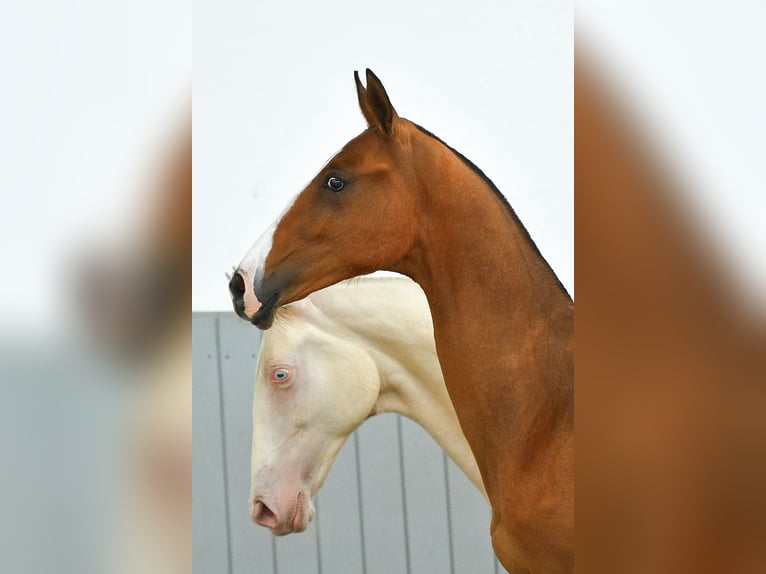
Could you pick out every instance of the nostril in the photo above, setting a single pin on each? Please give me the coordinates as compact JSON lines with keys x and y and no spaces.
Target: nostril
{"x":263,"y":515}
{"x":237,"y":286}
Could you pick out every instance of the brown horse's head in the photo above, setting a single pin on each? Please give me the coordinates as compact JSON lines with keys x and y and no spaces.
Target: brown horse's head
{"x":355,"y":217}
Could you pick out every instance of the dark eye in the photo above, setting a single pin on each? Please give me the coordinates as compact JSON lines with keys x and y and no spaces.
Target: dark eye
{"x":335,"y":184}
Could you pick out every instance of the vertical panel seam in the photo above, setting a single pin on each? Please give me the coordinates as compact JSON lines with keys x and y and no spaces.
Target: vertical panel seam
{"x":404,"y":491}
{"x":361,"y":505}
{"x":274,"y":564}
{"x":448,"y":497}
{"x":222,"y":417}
{"x":318,"y":537}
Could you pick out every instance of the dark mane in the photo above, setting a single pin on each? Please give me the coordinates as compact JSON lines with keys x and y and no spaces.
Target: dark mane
{"x":500,"y":196}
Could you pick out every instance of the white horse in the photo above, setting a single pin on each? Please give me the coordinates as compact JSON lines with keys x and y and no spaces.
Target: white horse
{"x":330,"y":361}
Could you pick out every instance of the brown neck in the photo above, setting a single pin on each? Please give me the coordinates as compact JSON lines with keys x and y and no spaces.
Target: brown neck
{"x":503,"y":324}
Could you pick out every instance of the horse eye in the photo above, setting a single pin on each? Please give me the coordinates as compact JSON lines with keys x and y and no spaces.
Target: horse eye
{"x":335,"y":184}
{"x":281,"y":376}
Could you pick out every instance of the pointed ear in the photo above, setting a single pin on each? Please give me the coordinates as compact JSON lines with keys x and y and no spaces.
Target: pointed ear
{"x":374,"y":102}
{"x":361,"y":94}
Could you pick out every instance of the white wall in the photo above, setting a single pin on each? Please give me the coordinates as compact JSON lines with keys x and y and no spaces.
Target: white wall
{"x":274,"y":98}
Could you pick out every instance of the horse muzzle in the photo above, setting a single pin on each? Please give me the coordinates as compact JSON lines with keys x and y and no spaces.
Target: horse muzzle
{"x":245,"y":302}
{"x":264,"y":316}
{"x":251,"y":304}
{"x":293,"y":515}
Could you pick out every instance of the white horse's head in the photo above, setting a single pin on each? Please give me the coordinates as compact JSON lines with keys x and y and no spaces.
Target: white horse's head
{"x":312,"y":391}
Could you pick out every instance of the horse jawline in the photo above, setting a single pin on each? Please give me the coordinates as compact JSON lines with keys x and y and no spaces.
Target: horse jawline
{"x":264,"y":317}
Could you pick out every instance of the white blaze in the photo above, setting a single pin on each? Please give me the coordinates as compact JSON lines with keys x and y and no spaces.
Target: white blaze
{"x":253,"y":265}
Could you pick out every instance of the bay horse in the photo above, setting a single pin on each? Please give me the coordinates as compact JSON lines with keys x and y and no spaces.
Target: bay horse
{"x":398,"y":198}
{"x":329,"y":362}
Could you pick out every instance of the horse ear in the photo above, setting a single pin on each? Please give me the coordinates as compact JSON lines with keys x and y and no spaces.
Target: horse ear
{"x":361,"y":94}
{"x":374,"y":102}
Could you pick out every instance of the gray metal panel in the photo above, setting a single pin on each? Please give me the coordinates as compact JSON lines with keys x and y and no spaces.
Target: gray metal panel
{"x":251,"y":546}
{"x":297,"y":553}
{"x":209,"y":527}
{"x":339,"y":515}
{"x":471,"y":515}
{"x":382,"y":498}
{"x":63,"y":419}
{"x":425,"y":496}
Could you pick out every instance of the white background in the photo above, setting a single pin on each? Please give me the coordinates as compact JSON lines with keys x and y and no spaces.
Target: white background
{"x":274,"y":98}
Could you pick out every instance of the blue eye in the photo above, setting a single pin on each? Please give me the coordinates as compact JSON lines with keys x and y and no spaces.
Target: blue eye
{"x":334,"y":183}
{"x":281,"y":376}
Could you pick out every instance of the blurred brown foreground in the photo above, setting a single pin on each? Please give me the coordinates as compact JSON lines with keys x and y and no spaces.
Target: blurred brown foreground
{"x":96,"y":426}
{"x":670,"y":378}
{"x":136,"y":302}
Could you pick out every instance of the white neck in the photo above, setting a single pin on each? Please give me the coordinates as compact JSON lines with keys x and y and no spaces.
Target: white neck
{"x":425,"y":400}
{"x":400,"y":341}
